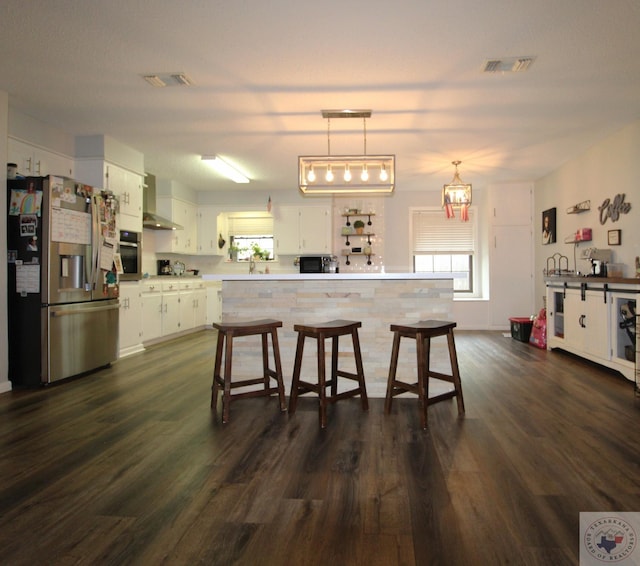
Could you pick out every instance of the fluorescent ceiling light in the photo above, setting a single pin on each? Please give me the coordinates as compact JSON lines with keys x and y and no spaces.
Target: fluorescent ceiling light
{"x":225,"y":169}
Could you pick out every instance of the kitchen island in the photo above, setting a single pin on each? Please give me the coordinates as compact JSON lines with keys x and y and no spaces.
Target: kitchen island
{"x":375,"y":299}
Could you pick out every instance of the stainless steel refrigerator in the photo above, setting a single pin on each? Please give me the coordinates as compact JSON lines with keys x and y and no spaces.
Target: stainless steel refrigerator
{"x":62,"y":279}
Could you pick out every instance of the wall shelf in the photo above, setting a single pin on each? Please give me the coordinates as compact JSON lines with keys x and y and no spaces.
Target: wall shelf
{"x":583,"y":206}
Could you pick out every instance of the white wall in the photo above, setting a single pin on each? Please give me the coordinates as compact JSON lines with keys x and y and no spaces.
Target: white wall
{"x":610,"y":167}
{"x":5,"y":384}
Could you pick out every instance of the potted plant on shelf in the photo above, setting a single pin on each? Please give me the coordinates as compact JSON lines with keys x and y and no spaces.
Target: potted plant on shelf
{"x":359,"y":226}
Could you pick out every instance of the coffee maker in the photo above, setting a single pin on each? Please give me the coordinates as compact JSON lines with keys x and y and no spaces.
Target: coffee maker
{"x":164,"y":267}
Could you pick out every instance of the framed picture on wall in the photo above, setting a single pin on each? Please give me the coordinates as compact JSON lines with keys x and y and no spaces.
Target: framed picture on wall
{"x":549,"y":226}
{"x":614,"y":237}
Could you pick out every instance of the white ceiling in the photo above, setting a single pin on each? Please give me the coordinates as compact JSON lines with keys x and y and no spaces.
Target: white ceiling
{"x":263,"y":71}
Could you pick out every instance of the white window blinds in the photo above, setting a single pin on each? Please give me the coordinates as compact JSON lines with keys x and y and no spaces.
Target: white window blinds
{"x":250,"y":225}
{"x":434,"y":233}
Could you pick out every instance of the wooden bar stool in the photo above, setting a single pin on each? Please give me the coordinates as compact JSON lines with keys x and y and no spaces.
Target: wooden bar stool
{"x":422,"y":332}
{"x":229,"y":331}
{"x":321,"y":332}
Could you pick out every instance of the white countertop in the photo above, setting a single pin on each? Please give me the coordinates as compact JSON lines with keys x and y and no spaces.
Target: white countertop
{"x":319,"y":276}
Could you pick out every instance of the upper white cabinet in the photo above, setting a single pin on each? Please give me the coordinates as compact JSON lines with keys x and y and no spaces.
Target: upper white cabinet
{"x":181,"y":212}
{"x":511,"y":254}
{"x":107,"y":164}
{"x":510,"y":204}
{"x":302,"y":230}
{"x":128,"y":186}
{"x":33,"y":161}
{"x":211,"y":225}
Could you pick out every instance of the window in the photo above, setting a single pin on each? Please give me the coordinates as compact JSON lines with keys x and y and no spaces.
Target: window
{"x":248,"y":230}
{"x":442,"y":245}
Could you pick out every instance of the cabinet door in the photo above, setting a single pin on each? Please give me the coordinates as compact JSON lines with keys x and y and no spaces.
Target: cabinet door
{"x":170,"y":313}
{"x":214,"y":303}
{"x":314,"y":230}
{"x":200,"y":307}
{"x":212,"y":225}
{"x":511,"y":274}
{"x":151,"y":316}
{"x":128,"y":187}
{"x":286,"y":230}
{"x":130,"y":316}
{"x":187,"y":310}
{"x":587,"y":323}
{"x":34,"y":161}
{"x":177,"y":241}
{"x":510,"y":205}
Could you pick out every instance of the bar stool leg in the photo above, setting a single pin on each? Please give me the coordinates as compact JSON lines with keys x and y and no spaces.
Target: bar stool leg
{"x":278,"y":365}
{"x":334,"y":366}
{"x":393,"y":366}
{"x":293,"y":400}
{"x":360,"y":370}
{"x":455,"y":371}
{"x":422,"y":354}
{"x":226,"y":396}
{"x":322,"y":385}
{"x":215,"y":387}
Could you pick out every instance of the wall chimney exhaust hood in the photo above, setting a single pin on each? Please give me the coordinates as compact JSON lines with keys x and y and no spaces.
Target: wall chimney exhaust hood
{"x":150,"y":219}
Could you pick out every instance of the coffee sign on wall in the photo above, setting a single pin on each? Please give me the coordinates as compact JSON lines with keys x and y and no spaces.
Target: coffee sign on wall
{"x":613,"y":209}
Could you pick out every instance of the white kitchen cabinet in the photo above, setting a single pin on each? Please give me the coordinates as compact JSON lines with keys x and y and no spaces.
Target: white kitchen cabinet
{"x":34,"y":161}
{"x":182,"y":241}
{"x":510,"y":205}
{"x":187,"y":311}
{"x":211,"y":225}
{"x":214,"y":302}
{"x":200,"y":305}
{"x":130,"y":336}
{"x":170,"y":308}
{"x":511,"y":253}
{"x":151,"y":311}
{"x":302,"y":230}
{"x":586,"y":322}
{"x":126,"y":185}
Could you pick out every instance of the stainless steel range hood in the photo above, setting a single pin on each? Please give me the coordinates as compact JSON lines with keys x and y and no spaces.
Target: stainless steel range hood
{"x":150,"y":219}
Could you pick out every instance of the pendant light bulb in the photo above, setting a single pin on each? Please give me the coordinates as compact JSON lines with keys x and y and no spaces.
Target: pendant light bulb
{"x":311,"y":176}
{"x":383,"y":173}
{"x":329,"y":176}
{"x":347,"y":173}
{"x":364,"y":176}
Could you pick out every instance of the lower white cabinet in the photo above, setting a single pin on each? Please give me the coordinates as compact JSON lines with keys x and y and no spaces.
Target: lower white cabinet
{"x":193,"y":304}
{"x":593,"y":320}
{"x":171,"y":306}
{"x":130,"y":335}
{"x":151,"y":310}
{"x":214,"y":301}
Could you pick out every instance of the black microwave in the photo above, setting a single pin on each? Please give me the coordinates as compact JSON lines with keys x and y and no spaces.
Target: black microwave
{"x":314,"y":263}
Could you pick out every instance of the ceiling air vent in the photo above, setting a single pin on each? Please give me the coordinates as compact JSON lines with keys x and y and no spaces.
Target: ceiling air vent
{"x":508,"y":65}
{"x":159,"y":80}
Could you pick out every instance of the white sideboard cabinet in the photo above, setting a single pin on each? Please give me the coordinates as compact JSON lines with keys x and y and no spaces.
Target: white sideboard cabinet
{"x":594,"y":319}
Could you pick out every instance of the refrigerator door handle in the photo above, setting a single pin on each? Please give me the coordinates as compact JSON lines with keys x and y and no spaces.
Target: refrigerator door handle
{"x":68,"y":312}
{"x":95,"y":247}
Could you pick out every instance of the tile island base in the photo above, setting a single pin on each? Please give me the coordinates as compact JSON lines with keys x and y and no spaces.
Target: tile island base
{"x":377,"y":300}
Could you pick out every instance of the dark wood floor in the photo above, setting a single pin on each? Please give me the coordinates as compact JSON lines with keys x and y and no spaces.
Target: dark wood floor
{"x":127,"y":466}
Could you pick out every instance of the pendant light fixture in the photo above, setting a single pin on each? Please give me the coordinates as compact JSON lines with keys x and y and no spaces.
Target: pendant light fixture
{"x":343,"y":174}
{"x":456,"y":194}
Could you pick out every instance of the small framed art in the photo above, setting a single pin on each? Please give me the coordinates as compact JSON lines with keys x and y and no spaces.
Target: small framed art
{"x":614,"y":237}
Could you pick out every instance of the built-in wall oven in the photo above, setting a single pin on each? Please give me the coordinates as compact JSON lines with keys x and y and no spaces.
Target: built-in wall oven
{"x":131,"y":254}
